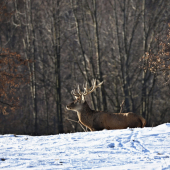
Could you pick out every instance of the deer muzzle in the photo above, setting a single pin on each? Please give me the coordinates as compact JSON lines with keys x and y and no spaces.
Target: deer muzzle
{"x":67,"y":107}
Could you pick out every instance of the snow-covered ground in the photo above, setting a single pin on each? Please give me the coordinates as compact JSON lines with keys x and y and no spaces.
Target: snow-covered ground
{"x":146,"y":148}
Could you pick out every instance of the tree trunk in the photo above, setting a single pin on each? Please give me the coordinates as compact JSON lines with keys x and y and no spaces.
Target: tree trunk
{"x":57,"y":55}
{"x":29,"y":47}
{"x":102,"y":105}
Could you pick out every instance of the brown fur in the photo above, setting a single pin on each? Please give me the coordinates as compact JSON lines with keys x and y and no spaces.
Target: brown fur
{"x":99,"y":120}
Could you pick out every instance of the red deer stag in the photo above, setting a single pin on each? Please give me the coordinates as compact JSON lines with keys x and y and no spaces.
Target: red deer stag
{"x":99,"y":120}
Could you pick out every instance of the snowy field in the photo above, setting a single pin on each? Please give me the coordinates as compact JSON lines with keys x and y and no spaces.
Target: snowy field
{"x":147,"y":148}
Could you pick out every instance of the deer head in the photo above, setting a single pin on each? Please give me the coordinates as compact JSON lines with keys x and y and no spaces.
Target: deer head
{"x":80,"y":96}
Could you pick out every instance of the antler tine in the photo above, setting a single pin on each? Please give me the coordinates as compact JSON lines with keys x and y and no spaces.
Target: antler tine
{"x":92,"y":88}
{"x":85,"y":89}
{"x":74,"y":93}
{"x":93,"y":84}
{"x":78,"y":90}
{"x":99,"y":84}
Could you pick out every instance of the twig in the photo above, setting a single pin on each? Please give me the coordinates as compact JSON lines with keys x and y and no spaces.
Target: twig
{"x":72,"y":120}
{"x":121,"y":106}
{"x":77,"y":122}
{"x":82,"y":126}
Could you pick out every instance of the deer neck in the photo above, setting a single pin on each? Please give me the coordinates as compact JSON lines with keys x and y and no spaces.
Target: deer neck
{"x":84,"y":113}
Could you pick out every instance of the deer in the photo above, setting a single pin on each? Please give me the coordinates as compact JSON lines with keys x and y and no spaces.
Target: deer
{"x":99,"y":120}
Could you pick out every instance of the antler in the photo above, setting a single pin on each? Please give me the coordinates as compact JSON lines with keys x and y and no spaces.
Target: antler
{"x":86,"y":90}
{"x":78,"y":93}
{"x":92,"y":88}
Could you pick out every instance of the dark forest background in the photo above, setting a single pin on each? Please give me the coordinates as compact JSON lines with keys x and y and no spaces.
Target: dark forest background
{"x":58,"y":44}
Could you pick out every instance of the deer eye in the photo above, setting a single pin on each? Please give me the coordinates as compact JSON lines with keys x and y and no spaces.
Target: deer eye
{"x":76,"y":101}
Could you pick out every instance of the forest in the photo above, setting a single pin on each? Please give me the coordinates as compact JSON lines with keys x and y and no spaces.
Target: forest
{"x":48,"y":47}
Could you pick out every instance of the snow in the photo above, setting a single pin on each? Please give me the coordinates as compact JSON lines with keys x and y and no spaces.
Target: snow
{"x":139,"y":148}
